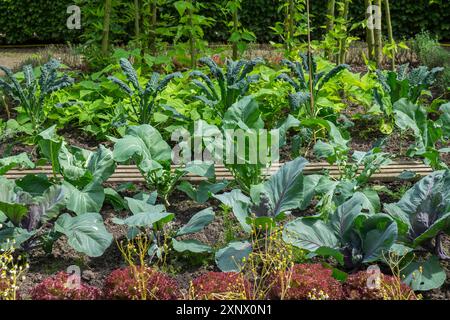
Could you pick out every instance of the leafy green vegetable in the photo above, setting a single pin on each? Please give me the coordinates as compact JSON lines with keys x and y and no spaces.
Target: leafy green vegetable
{"x":85,"y":233}
{"x":423,"y":213}
{"x":143,"y":100}
{"x":232,"y":84}
{"x":349,"y":235}
{"x":33,"y":93}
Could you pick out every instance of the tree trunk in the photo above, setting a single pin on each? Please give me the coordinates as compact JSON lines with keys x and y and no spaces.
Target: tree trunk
{"x":154,"y":22}
{"x":379,"y":39}
{"x":342,"y":50}
{"x":137,"y":17}
{"x":192,"y":36}
{"x":290,"y":35}
{"x":106,"y":26}
{"x":311,"y":87}
{"x":330,"y":24}
{"x":235,"y":29}
{"x":389,"y":29}
{"x":370,"y":37}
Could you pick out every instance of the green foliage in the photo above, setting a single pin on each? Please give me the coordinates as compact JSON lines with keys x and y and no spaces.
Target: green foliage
{"x":42,"y":22}
{"x":233,"y":84}
{"x":31,"y":221}
{"x":240,"y":37}
{"x":349,"y":235}
{"x":145,"y":146}
{"x":32,"y":94}
{"x":143,"y":100}
{"x":432,"y":54}
{"x":423,"y":213}
{"x":300,"y":99}
{"x":407,"y":84}
{"x":427,"y":132}
{"x":21,"y":160}
{"x":152,"y":220}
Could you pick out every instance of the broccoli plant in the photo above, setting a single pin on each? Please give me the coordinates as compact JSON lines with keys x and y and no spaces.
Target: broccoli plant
{"x":32,"y":94}
{"x":143,"y":100}
{"x":407,"y":84}
{"x":233,"y":84}
{"x":300,"y":100}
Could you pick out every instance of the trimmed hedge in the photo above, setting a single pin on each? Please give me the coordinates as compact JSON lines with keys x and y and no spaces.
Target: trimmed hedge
{"x":35,"y":21}
{"x":44,"y":21}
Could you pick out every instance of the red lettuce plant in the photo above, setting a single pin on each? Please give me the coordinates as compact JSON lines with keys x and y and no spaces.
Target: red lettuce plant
{"x":138,"y":283}
{"x":221,"y":286}
{"x":306,"y":282}
{"x":57,"y":288}
{"x":357,"y":287}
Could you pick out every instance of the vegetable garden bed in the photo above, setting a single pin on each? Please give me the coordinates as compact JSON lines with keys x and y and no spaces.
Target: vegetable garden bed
{"x":149,"y":173}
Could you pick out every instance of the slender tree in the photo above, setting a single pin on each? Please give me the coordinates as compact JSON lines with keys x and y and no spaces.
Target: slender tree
{"x":390,"y":32}
{"x":192,"y":48}
{"x":330,"y":23}
{"x":311,"y":89}
{"x":342,"y":49}
{"x":137,"y":18}
{"x":291,"y":25}
{"x":154,"y":25}
{"x":379,"y":38}
{"x":106,"y":26}
{"x":235,"y":29}
{"x":370,"y":36}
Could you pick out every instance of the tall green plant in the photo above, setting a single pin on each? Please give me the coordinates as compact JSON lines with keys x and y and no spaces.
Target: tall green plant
{"x":143,"y":100}
{"x":240,"y":37}
{"x":190,"y":27}
{"x":233,"y":83}
{"x":32,"y":94}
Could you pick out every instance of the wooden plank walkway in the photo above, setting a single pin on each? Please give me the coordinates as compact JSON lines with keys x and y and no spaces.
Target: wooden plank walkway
{"x":127,"y":173}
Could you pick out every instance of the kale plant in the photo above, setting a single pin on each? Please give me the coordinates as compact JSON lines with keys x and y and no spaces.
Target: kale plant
{"x":32,"y":94}
{"x":300,"y":99}
{"x":233,"y":84}
{"x":407,"y":83}
{"x":143,"y":100}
